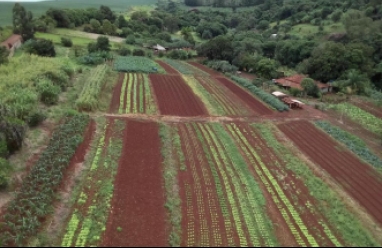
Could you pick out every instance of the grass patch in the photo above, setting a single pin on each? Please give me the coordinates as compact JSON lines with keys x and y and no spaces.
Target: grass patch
{"x":170,"y":138}
{"x":56,"y":38}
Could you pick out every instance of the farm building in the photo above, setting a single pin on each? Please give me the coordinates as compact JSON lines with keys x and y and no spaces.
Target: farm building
{"x":13,"y":42}
{"x":158,"y":48}
{"x":295,"y":82}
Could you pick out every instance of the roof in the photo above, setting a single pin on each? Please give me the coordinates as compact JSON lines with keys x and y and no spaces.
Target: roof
{"x":278,"y":93}
{"x":297,"y":101}
{"x":295,"y":81}
{"x":159,"y":47}
{"x":11,"y":40}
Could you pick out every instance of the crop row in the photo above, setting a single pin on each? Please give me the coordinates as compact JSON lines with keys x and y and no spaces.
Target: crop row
{"x":294,"y":189}
{"x":366,"y":119}
{"x":208,"y":99}
{"x":137,"y":64}
{"x":89,"y":96}
{"x":262,"y":95}
{"x":282,"y":202}
{"x":185,"y":68}
{"x":137,"y":93}
{"x":352,"y":142}
{"x":229,"y":102}
{"x":88,"y":220}
{"x":245,"y":196}
{"x":328,"y":203}
{"x":33,"y":202}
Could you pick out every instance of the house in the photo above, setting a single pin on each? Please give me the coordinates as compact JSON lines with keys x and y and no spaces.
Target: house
{"x":295,"y":82}
{"x":158,"y":48}
{"x":13,"y":42}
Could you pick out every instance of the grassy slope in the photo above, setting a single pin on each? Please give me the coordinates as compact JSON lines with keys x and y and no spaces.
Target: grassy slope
{"x":39,"y":8}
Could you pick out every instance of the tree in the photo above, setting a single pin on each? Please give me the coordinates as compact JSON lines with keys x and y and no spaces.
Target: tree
{"x":327,"y":61}
{"x":41,"y":47}
{"x":96,"y":25}
{"x":66,"y":42}
{"x":60,"y":16}
{"x":218,"y":48}
{"x":23,"y":22}
{"x":3,"y":55}
{"x":107,"y":27}
{"x":107,"y":13}
{"x":357,"y":25}
{"x":266,"y":68}
{"x":310,"y":87}
{"x":355,"y":82}
{"x":103,"y":43}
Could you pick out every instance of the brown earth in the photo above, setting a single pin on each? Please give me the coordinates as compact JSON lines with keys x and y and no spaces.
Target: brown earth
{"x":175,"y":97}
{"x":137,"y":215}
{"x":357,"y":178}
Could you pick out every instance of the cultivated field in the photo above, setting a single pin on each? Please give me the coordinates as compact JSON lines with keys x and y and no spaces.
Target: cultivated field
{"x":188,"y":157}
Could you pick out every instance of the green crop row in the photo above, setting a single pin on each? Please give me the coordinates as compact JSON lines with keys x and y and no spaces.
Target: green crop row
{"x":150,"y":103}
{"x":262,"y":95}
{"x":352,"y":142}
{"x":123,"y":93}
{"x":34,"y":200}
{"x":137,"y":64}
{"x":86,"y":225}
{"x":89,"y":96}
{"x":328,"y":202}
{"x":366,"y":119}
{"x":185,"y":68}
{"x":273,"y":188}
{"x":208,"y":99}
{"x":168,"y":137}
{"x":234,"y":170}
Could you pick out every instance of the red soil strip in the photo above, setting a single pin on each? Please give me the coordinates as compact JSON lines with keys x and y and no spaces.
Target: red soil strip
{"x":167,"y":67}
{"x":357,"y":178}
{"x":248,"y":98}
{"x":205,"y":69}
{"x":199,"y":179}
{"x":138,"y":200}
{"x":175,"y":97}
{"x":292,"y":185}
{"x":114,"y":104}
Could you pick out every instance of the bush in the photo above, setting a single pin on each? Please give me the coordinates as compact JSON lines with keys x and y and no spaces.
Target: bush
{"x":35,"y":118}
{"x":3,"y":146}
{"x":66,"y":42}
{"x":14,"y":131}
{"x":41,"y":47}
{"x":138,"y":52}
{"x":295,"y":92}
{"x":130,"y":39}
{"x":222,"y":65}
{"x":124,"y":51}
{"x":48,"y":92}
{"x":5,"y":169}
{"x":177,"y":54}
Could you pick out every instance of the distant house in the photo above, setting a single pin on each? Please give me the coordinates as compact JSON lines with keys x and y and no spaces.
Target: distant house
{"x":295,"y":82}
{"x":13,"y":42}
{"x":158,"y":48}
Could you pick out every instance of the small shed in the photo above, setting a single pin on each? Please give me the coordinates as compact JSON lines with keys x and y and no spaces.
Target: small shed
{"x":158,"y":48}
{"x":279,"y":94}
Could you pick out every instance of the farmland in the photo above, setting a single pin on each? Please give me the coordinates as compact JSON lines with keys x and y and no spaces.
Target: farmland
{"x":187,"y":157}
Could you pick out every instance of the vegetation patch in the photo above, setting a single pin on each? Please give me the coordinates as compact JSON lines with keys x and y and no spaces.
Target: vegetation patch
{"x":262,"y":95}
{"x":352,"y":142}
{"x":89,"y":97}
{"x":366,"y":119}
{"x":26,"y":213}
{"x":136,"y":64}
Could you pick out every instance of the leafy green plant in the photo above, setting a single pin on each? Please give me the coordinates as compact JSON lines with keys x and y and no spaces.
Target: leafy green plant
{"x":262,"y":95}
{"x":136,"y":64}
{"x":48,"y":91}
{"x":88,"y":99}
{"x":352,"y":142}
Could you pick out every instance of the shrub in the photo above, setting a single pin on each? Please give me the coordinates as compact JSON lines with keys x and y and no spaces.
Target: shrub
{"x":35,"y":118}
{"x":222,"y":65}
{"x":66,"y":42}
{"x":48,"y":92}
{"x":295,"y":92}
{"x":124,"y":51}
{"x":3,"y":147}
{"x":177,"y":54}
{"x":5,"y":168}
{"x":138,"y":52}
{"x":130,"y":39}
{"x":41,"y":47}
{"x":14,"y":131}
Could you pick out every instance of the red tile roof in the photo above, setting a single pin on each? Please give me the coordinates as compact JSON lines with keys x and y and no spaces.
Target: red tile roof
{"x":11,"y":40}
{"x":295,"y":81}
